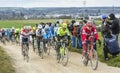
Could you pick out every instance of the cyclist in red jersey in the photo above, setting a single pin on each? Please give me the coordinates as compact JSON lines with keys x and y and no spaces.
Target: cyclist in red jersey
{"x":88,"y":30}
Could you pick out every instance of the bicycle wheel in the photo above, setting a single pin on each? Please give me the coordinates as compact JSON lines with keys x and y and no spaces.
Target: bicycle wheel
{"x":34,"y":44}
{"x":41,"y":50}
{"x":94,"y":59}
{"x":85,"y":59}
{"x":65,"y":56}
{"x":26,"y":53}
{"x":48,"y":48}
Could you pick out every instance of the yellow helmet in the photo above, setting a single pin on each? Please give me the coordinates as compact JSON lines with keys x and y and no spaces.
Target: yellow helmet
{"x":34,"y":28}
{"x":64,"y":25}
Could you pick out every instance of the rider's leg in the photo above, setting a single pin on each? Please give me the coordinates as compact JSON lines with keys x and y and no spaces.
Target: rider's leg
{"x":84,"y":49}
{"x":58,"y":50}
{"x":44,"y":44}
{"x":38,"y":45}
{"x":22,"y":45}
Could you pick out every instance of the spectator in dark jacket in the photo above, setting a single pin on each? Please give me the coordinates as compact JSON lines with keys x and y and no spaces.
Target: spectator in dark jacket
{"x":110,"y":25}
{"x":114,"y":24}
{"x":71,"y":27}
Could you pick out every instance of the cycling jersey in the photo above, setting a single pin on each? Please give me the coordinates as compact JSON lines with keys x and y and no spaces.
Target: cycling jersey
{"x":24,"y":34}
{"x":86,"y":33}
{"x":62,"y":32}
{"x":46,"y":33}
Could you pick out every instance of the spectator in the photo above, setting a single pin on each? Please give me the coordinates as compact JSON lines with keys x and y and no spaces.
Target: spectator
{"x":74,"y":35}
{"x":110,"y":28}
{"x":79,"y":28}
{"x":114,"y":24}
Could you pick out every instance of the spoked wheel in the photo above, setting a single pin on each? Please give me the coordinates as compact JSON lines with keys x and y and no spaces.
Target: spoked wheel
{"x":65,"y":57}
{"x":34,"y":44}
{"x":26,"y":54}
{"x":48,"y":49}
{"x":58,"y":58}
{"x":41,"y":50}
{"x":3,"y":41}
{"x":94,"y":60}
{"x":42,"y":53}
{"x":85,"y":59}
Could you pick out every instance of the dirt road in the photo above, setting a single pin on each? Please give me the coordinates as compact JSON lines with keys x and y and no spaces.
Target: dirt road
{"x":49,"y":64}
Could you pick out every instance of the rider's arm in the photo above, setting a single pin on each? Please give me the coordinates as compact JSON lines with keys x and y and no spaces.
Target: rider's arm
{"x":36,"y":32}
{"x":96,"y":34}
{"x":83,"y":35}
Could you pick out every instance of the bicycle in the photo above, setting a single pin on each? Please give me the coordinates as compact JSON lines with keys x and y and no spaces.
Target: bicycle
{"x":17,"y":39}
{"x":3,"y":40}
{"x":63,"y":53}
{"x":13,"y":39}
{"x":41,"y":50}
{"x":34,"y":44}
{"x":47,"y":47}
{"x":91,"y":54}
{"x":53,"y":43}
{"x":25,"y":51}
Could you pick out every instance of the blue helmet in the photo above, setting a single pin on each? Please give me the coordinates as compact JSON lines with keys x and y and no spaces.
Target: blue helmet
{"x":104,"y":16}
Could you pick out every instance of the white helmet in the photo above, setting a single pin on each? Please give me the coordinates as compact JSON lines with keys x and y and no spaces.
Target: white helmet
{"x":40,"y":27}
{"x":27,"y":27}
{"x":76,"y":24}
{"x":60,"y":21}
{"x":13,"y":27}
{"x":46,"y":26}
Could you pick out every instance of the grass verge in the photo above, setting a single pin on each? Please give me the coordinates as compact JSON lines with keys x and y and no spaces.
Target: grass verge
{"x":5,"y":63}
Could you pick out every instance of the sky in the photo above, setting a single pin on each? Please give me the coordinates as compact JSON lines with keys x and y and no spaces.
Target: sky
{"x":58,"y":3}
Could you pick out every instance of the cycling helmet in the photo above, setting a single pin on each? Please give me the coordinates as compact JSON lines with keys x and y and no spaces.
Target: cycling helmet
{"x":40,"y":27}
{"x":52,"y":24}
{"x":27,"y":27}
{"x":13,"y":27}
{"x":76,"y":24}
{"x":104,"y":16}
{"x":60,"y":21}
{"x":34,"y":28}
{"x":46,"y":26}
{"x":64,"y":25}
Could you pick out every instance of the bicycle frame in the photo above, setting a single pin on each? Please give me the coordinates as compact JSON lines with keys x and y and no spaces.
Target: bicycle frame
{"x":91,"y":54}
{"x":63,"y":53}
{"x":25,"y":51}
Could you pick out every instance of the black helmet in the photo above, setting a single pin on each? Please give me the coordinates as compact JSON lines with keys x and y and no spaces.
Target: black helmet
{"x":73,"y":21}
{"x":111,"y":16}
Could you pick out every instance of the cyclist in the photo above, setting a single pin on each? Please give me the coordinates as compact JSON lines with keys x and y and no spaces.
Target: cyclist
{"x":61,"y":34}
{"x":52,"y":27}
{"x":39,"y":36}
{"x":25,"y":36}
{"x":33,"y":36}
{"x":56,"y":28}
{"x":3,"y":34}
{"x":17,"y":36}
{"x":88,"y":30}
{"x":12,"y":34}
{"x":8,"y":34}
{"x":46,"y":36}
{"x":30,"y":30}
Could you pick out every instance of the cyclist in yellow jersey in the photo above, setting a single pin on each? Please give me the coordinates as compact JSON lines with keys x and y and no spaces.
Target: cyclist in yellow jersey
{"x":61,"y":34}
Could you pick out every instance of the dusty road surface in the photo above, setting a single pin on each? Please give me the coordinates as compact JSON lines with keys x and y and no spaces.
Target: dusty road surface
{"x":49,"y":63}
